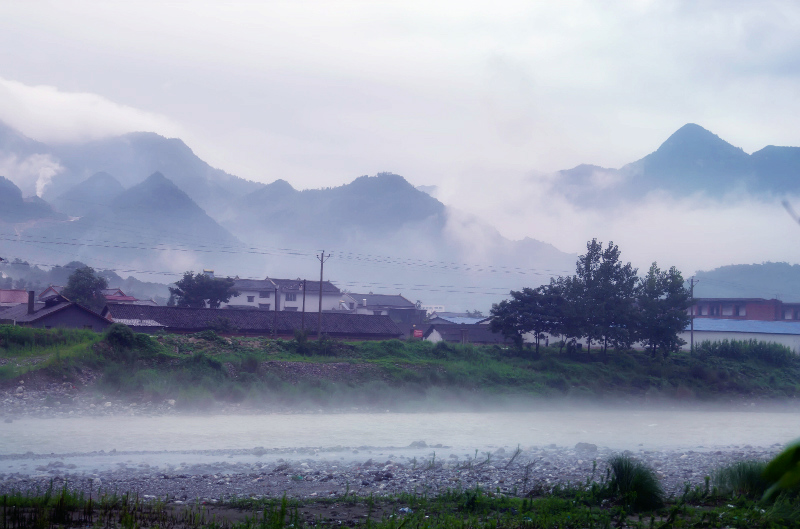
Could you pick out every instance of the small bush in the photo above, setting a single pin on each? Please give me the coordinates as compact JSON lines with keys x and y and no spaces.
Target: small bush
{"x":208,"y":335}
{"x":636,"y":484}
{"x":120,"y":336}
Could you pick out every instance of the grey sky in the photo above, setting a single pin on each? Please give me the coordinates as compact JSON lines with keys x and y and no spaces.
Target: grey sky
{"x":473,"y":97}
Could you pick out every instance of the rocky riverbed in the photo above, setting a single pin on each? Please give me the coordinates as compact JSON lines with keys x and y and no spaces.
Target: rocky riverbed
{"x":323,"y":472}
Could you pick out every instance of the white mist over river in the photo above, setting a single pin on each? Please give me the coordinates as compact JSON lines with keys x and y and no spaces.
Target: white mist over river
{"x":195,"y":439}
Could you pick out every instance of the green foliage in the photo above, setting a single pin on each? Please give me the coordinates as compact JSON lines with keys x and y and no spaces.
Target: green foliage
{"x":635,"y":483}
{"x":662,"y":301}
{"x":209,"y":335}
{"x":531,"y":310}
{"x":767,"y":352}
{"x":197,"y":290}
{"x":120,"y":335}
{"x":783,"y":472}
{"x":603,"y":302}
{"x":84,"y":287}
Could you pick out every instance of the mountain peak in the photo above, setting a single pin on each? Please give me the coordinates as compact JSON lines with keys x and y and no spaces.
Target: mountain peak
{"x":694,"y":137}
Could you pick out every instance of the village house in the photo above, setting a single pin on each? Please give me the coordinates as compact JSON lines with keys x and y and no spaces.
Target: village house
{"x":112,"y":295}
{"x":463,"y":333}
{"x":52,"y":313}
{"x":745,"y":309}
{"x":10,"y":298}
{"x":400,"y":309}
{"x":287,"y":293}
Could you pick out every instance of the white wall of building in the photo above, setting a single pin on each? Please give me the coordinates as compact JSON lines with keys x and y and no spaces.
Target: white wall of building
{"x":791,"y":341}
{"x":259,"y":299}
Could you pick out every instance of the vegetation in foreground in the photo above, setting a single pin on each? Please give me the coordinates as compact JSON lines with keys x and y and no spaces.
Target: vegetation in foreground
{"x":203,"y":369}
{"x":629,"y":496}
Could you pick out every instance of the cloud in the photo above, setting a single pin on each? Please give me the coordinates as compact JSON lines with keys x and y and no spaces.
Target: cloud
{"x":694,"y":233}
{"x":31,"y":174}
{"x":48,"y":114}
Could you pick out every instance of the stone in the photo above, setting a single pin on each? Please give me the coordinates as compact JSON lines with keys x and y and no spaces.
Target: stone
{"x":588,"y":448}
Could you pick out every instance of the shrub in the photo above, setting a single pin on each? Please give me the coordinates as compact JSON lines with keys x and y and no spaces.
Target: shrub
{"x":635,"y":483}
{"x":208,"y":335}
{"x":120,"y":336}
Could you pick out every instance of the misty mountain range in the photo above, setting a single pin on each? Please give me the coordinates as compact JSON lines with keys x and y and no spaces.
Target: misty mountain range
{"x":146,"y":204}
{"x":692,"y":160}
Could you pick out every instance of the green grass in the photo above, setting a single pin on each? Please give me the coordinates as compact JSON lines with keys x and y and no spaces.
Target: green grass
{"x":562,"y":507}
{"x":390,"y":373}
{"x":743,"y":478}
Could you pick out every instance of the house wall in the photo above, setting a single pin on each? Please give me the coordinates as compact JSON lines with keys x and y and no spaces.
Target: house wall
{"x":789,"y":340}
{"x":329,"y":301}
{"x":766,"y":311}
{"x":71,"y":317}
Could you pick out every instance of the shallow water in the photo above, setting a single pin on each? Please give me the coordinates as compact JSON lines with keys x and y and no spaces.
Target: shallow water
{"x":621,"y":429}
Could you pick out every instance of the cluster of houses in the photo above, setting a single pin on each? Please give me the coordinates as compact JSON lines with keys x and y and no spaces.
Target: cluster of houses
{"x":279,"y":307}
{"x":264,"y":307}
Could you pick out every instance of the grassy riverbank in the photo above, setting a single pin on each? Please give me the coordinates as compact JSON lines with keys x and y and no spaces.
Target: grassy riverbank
{"x":203,"y":369}
{"x":583,"y":506}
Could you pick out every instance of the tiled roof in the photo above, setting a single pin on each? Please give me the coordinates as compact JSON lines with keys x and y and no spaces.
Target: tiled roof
{"x":13,"y":296}
{"x":284,"y":285}
{"x":256,"y":321}
{"x":474,"y":333}
{"x":460,"y":318}
{"x":750,"y":326}
{"x":383,"y":300}
{"x":20,"y":314}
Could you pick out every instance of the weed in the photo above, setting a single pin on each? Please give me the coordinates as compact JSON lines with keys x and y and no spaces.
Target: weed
{"x":743,"y":478}
{"x":636,"y":485}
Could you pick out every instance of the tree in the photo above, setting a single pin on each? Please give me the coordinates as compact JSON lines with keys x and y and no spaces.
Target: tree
{"x":197,"y":290}
{"x":530,"y":310}
{"x":607,"y":289}
{"x":662,"y":300}
{"x":85,"y":287}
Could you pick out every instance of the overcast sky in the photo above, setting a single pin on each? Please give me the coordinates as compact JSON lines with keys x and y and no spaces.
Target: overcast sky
{"x":476,"y":98}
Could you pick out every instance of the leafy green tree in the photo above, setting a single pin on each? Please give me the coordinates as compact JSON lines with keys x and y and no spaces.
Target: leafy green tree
{"x":662,"y":300}
{"x":195,"y":290}
{"x":563,"y":297}
{"x":531,"y":310}
{"x":85,"y":287}
{"x":606,"y":289}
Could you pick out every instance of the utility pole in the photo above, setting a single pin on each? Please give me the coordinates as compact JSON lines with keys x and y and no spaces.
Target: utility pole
{"x":275,"y":317}
{"x":303,"y":316}
{"x":321,"y":258}
{"x":691,"y":332}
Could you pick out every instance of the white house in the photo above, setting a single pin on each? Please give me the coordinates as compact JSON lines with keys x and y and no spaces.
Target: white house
{"x":289,"y":293}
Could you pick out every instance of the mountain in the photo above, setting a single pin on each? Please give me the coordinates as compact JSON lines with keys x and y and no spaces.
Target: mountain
{"x":16,"y":209}
{"x":765,"y":280}
{"x":95,"y":192}
{"x":131,"y":157}
{"x":692,"y":160}
{"x":369,"y":207}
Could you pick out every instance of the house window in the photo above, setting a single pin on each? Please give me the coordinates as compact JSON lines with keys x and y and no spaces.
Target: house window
{"x":376,"y":312}
{"x":264,"y":306}
{"x":251,"y":299}
{"x":290,"y":309}
{"x":264,"y":294}
{"x":291,"y":297}
{"x":352,"y":305}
